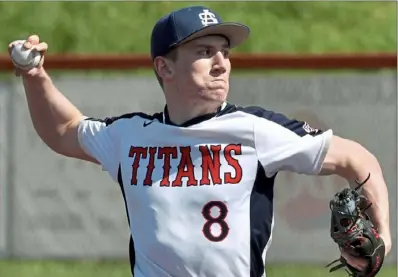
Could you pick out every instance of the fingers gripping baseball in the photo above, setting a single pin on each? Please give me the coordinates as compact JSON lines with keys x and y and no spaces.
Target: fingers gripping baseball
{"x":27,"y":55}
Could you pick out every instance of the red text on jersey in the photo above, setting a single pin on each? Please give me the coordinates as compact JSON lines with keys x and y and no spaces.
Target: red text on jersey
{"x":210,"y":163}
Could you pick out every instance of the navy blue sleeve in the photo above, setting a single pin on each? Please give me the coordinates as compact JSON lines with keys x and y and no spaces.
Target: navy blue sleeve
{"x":110,"y":120}
{"x":299,"y":127}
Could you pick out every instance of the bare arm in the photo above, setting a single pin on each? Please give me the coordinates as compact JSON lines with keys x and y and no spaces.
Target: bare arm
{"x":54,"y":117}
{"x":352,"y":161}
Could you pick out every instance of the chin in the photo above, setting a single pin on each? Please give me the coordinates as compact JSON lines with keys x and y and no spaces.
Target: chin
{"x":216,"y":97}
{"x":215,"y":94}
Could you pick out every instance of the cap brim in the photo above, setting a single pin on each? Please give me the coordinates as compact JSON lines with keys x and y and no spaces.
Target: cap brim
{"x":236,"y":33}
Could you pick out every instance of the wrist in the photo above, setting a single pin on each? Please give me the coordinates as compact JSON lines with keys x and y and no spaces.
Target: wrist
{"x":385,"y":236}
{"x":38,"y":75}
{"x":35,"y":74}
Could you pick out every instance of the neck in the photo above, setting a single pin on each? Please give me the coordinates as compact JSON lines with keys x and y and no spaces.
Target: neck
{"x":182,"y":112}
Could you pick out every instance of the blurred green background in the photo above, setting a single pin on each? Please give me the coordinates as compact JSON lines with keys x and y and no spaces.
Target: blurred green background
{"x":125,"y":27}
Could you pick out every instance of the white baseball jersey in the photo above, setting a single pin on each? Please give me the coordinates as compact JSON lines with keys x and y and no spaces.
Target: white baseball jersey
{"x":199,"y":196}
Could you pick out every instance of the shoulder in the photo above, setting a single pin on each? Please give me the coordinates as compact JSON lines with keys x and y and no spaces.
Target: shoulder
{"x":300,"y":127}
{"x":113,"y":120}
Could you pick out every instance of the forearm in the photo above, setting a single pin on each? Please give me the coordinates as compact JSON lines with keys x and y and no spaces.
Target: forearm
{"x":51,"y":112}
{"x":375,"y":189}
{"x":352,"y":161}
{"x":358,"y":166}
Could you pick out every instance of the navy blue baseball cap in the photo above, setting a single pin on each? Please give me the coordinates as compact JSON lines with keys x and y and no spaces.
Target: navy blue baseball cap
{"x":190,"y":23}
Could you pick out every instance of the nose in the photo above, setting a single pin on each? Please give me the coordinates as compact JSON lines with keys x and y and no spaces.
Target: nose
{"x":219,"y":64}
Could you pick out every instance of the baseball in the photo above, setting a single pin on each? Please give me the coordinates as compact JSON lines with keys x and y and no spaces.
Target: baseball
{"x":25,"y":58}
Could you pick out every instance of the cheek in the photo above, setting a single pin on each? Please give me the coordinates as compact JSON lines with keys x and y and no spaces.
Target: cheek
{"x":185,"y":70}
{"x":194,"y":74}
{"x":228,"y":67}
{"x":201,"y":68}
{"x":227,"y":64}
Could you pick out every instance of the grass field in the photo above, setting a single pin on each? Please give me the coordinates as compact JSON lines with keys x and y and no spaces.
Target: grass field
{"x":121,"y":269}
{"x":103,"y":27}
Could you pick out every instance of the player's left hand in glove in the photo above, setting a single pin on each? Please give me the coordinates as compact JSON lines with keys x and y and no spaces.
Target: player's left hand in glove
{"x":355,"y":234}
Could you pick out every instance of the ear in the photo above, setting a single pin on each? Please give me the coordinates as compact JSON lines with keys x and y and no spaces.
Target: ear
{"x":164,"y":68}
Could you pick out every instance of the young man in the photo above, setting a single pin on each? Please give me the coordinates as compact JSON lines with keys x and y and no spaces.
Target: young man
{"x":198,"y":178}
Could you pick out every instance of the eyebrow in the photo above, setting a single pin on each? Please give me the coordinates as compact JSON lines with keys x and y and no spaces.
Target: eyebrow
{"x":224,"y":45}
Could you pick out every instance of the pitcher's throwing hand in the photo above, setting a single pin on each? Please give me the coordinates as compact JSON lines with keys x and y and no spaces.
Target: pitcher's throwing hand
{"x":32,"y":42}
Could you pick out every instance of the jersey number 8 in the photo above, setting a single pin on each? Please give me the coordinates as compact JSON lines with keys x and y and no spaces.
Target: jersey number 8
{"x":212,"y":220}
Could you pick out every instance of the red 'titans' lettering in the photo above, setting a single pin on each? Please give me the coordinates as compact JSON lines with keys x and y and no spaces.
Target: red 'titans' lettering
{"x":234,"y":163}
{"x":150,"y":167}
{"x":185,"y":170}
{"x":137,"y":153}
{"x":166,"y":153}
{"x":210,"y":165}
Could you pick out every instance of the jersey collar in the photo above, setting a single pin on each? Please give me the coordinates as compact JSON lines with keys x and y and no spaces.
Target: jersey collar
{"x":193,"y":121}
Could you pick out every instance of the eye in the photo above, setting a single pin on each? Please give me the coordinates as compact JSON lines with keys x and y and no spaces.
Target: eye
{"x":205,"y":52}
{"x":225,"y":52}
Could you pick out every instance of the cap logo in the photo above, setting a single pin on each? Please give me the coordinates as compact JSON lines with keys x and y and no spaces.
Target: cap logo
{"x":208,"y":18}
